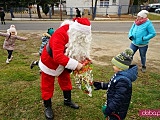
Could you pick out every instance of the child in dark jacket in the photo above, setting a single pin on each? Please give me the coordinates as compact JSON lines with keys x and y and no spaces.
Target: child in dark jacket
{"x":45,"y":39}
{"x":119,"y":88}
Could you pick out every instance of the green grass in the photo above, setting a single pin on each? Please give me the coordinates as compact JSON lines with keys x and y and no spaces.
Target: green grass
{"x":153,"y":17}
{"x":20,"y":97}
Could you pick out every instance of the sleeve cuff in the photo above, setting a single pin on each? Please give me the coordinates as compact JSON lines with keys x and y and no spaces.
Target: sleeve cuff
{"x":72,"y":64}
{"x":108,"y":111}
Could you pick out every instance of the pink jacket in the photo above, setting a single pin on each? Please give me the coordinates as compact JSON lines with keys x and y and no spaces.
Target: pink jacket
{"x":9,"y":42}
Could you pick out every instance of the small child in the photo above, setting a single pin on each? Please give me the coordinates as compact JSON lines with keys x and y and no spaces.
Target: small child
{"x":9,"y":42}
{"x":45,"y":39}
{"x":119,"y":89}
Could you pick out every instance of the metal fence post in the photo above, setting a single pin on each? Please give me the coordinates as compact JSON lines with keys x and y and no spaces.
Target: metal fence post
{"x":71,"y":12}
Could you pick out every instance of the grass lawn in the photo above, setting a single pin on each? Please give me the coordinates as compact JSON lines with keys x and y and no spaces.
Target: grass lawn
{"x":20,"y":97}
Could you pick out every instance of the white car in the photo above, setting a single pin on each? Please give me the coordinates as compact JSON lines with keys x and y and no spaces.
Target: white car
{"x":157,"y":10}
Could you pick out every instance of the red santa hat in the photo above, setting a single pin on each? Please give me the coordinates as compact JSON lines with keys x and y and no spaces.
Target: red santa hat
{"x":81,"y":24}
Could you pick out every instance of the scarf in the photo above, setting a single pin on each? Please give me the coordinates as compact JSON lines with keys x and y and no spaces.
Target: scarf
{"x":141,"y":21}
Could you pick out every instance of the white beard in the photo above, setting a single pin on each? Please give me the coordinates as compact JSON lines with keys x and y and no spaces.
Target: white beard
{"x":78,"y":46}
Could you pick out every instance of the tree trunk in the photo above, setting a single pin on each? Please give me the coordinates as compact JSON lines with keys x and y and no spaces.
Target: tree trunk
{"x":52,"y":6}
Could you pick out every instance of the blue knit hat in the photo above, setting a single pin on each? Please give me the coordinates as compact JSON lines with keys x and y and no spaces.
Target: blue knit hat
{"x":50,"y":31}
{"x":124,"y":59}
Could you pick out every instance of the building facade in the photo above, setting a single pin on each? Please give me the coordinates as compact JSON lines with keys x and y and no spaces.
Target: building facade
{"x":103,"y":7}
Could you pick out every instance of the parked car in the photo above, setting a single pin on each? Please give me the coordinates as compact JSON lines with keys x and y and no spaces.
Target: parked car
{"x":157,"y":10}
{"x":153,"y":7}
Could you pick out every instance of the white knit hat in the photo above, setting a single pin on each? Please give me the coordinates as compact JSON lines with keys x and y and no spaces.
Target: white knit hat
{"x":12,"y":29}
{"x":143,"y":13}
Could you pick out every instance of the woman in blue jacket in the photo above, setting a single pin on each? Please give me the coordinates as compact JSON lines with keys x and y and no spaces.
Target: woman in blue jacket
{"x":140,"y":34}
{"x":119,"y":89}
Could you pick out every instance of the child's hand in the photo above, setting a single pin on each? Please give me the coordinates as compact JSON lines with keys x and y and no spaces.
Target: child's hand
{"x":97,"y":85}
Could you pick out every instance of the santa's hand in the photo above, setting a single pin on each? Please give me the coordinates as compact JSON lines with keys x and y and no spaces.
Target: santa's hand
{"x":79,"y":66}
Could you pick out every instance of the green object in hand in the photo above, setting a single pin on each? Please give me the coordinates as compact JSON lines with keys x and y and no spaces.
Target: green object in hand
{"x":103,"y":110}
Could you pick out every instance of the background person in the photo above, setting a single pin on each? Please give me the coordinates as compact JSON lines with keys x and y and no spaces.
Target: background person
{"x":2,"y":15}
{"x":45,"y":38}
{"x":141,"y":32}
{"x":78,"y":12}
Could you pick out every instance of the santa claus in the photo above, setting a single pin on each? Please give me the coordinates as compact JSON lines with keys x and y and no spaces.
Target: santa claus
{"x":65,"y":51}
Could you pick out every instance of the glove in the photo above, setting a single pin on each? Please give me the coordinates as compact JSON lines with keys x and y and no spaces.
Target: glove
{"x":97,"y":85}
{"x":131,"y":38}
{"x":103,"y":110}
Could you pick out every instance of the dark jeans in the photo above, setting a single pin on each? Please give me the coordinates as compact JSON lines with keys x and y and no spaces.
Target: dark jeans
{"x":142,"y":52}
{"x":9,"y":53}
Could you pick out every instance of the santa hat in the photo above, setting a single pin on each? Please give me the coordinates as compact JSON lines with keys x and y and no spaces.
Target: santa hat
{"x":81,"y":24}
{"x":12,"y":29}
{"x":143,"y":13}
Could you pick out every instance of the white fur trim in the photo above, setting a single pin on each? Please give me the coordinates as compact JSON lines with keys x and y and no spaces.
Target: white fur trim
{"x":72,"y":64}
{"x":66,"y":22}
{"x":143,"y":13}
{"x":49,"y":71}
{"x":79,"y":27}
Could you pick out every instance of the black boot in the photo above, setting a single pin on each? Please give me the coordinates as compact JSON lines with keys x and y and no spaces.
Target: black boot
{"x":48,"y":109}
{"x":68,"y":101}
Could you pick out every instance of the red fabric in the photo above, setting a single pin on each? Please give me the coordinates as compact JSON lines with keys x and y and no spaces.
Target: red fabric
{"x":57,"y":43}
{"x":47,"y":84}
{"x":141,"y":21}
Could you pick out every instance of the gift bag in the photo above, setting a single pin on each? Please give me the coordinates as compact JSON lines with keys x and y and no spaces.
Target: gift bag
{"x":84,"y":77}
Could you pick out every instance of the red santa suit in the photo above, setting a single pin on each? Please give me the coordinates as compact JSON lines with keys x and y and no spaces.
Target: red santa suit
{"x":61,"y":59}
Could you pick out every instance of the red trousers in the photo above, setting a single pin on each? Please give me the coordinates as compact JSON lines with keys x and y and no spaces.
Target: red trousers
{"x":47,"y":84}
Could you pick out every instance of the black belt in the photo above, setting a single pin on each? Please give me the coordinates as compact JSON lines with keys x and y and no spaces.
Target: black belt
{"x":49,"y":50}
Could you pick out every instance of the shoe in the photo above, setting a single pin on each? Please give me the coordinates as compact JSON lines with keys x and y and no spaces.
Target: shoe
{"x":71,"y":104}
{"x":143,"y":69}
{"x":49,"y":113}
{"x":11,"y":58}
{"x":7,"y":61}
{"x":32,"y":64}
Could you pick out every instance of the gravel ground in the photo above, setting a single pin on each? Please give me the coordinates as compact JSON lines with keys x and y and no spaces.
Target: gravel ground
{"x":105,"y":46}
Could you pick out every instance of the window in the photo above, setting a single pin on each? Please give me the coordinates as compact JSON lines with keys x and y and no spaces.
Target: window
{"x":114,"y":2}
{"x":104,"y":3}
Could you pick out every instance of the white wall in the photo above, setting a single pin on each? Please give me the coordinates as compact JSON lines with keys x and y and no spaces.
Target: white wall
{"x":87,"y":4}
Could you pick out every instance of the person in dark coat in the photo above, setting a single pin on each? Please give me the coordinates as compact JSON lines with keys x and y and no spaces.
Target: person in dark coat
{"x":2,"y":15}
{"x":119,"y":88}
{"x":78,"y":12}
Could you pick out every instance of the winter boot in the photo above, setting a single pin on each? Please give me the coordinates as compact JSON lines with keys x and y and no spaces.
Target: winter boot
{"x":143,"y":69}
{"x":11,"y":58}
{"x":68,"y":101}
{"x":48,"y":109}
{"x":7,"y":61}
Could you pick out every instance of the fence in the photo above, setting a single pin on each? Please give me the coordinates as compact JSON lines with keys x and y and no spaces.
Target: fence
{"x":69,"y":12}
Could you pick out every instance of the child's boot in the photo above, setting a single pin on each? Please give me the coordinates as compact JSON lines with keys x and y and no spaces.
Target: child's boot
{"x":10,"y":58}
{"x":7,"y":61}
{"x":33,"y":64}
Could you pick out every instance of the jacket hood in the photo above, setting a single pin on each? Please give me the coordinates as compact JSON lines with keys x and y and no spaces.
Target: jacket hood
{"x":130,"y":73}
